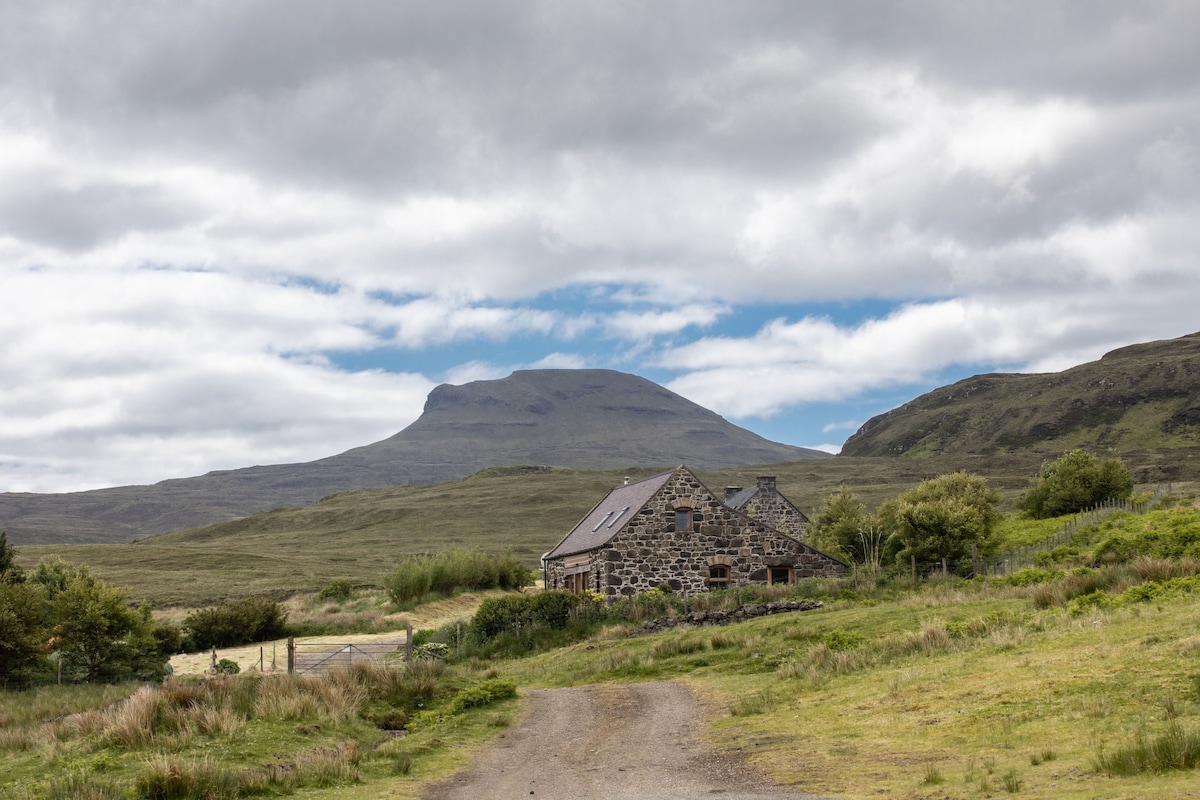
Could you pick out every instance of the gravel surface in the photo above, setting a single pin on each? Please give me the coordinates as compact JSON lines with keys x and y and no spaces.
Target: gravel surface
{"x":608,"y":742}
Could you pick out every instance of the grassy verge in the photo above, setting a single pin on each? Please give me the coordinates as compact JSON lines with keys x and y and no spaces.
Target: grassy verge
{"x":249,"y":735}
{"x":947,"y":693}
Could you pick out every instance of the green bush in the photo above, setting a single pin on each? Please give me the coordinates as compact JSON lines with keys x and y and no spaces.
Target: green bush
{"x":236,"y":622}
{"x":483,"y":694}
{"x":1031,"y":576}
{"x":517,"y":612}
{"x":1075,"y":482}
{"x":341,"y":589}
{"x":227,"y":666}
{"x":840,"y":641}
{"x":168,"y":638}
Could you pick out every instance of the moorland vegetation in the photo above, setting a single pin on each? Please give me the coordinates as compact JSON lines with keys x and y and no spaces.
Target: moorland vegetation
{"x":1073,"y":677}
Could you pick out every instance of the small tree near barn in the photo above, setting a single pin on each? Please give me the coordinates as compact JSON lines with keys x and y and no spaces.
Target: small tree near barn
{"x":943,"y":517}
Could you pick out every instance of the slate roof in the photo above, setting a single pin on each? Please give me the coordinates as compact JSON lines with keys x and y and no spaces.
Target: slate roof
{"x":609,"y":516}
{"x":738,"y":501}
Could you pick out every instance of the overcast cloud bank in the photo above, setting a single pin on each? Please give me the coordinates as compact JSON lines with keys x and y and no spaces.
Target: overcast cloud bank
{"x":236,"y":233}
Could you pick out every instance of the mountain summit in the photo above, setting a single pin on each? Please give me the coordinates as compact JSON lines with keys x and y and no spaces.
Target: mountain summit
{"x":582,"y":419}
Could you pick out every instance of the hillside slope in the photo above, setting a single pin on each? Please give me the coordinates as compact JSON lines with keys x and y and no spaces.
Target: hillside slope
{"x":581,"y":419}
{"x":1146,"y":396}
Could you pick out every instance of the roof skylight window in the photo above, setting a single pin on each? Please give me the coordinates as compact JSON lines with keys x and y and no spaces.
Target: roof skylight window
{"x":601,"y":522}
{"x":620,"y":514}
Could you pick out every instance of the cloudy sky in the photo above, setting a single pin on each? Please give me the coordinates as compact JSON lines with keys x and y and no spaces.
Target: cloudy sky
{"x":236,"y":232}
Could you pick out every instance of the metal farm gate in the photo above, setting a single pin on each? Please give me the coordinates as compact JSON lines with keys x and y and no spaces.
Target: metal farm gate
{"x":306,"y":658}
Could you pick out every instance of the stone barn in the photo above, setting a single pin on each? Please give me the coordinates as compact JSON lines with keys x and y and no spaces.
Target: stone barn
{"x":671,"y":529}
{"x":765,"y":503}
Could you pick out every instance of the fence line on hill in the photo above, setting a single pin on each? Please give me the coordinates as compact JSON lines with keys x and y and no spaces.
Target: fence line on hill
{"x":1020,"y":557}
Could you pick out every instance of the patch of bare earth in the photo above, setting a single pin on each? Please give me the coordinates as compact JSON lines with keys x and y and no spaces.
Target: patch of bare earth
{"x":608,"y":742}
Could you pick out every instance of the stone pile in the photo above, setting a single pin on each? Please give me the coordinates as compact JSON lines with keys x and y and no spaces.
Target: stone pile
{"x":748,"y":611}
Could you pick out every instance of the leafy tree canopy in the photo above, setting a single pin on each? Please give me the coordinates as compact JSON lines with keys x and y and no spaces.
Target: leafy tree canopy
{"x":838,"y":526}
{"x":98,"y":636}
{"x":943,"y":517}
{"x":22,"y":631}
{"x":53,"y":575}
{"x":9,"y":571}
{"x":1075,"y":482}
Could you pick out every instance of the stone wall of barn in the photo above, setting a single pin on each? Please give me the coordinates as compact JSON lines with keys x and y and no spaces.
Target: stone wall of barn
{"x":769,"y":506}
{"x":648,"y":550}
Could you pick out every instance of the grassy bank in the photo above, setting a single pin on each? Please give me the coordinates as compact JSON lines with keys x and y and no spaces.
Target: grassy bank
{"x":947,"y":693}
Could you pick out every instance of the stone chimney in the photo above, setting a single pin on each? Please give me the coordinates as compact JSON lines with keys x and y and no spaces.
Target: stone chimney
{"x":767,"y":482}
{"x":730,"y":491}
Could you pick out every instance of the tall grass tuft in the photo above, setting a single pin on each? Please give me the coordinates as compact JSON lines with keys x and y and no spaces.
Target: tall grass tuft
{"x":168,"y":778}
{"x":287,"y":699}
{"x":78,"y":785}
{"x":329,"y":766}
{"x":452,"y":570}
{"x":1175,"y":748}
{"x":134,"y":722}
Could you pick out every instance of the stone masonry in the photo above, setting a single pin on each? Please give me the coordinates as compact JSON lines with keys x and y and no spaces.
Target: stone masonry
{"x":766,"y":504}
{"x":648,"y":550}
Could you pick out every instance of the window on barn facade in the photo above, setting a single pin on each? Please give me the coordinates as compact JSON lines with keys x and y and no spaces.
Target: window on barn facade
{"x":779,"y":575}
{"x":577,"y":583}
{"x":683,"y":519}
{"x":718,"y":576}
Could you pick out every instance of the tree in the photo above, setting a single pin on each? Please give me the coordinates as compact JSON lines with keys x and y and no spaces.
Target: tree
{"x":22,"y":631}
{"x":1075,"y":482}
{"x":9,"y":571}
{"x":98,"y":636}
{"x":942,"y":517}
{"x":838,"y":524}
{"x":53,"y":575}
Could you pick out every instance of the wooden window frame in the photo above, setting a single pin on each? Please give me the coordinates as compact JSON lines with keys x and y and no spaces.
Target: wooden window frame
{"x":716,"y":581}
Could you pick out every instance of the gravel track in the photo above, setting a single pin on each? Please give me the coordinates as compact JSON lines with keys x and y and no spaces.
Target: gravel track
{"x":608,"y":742}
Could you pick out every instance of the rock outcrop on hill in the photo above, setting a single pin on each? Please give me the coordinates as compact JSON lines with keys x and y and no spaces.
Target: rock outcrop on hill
{"x":583,"y":419}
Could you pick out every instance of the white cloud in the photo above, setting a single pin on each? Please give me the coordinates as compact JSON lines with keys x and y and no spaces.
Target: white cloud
{"x":787,"y":364}
{"x":196,"y":196}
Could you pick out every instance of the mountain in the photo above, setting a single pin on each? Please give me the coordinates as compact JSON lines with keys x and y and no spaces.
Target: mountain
{"x":582,"y":419}
{"x":1141,"y":397}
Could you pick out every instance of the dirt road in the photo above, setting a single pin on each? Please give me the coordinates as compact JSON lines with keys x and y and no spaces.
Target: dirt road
{"x":608,"y":742}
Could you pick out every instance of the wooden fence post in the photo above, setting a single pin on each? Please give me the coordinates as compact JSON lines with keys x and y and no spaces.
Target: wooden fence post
{"x":291,"y":655}
{"x":408,"y":644}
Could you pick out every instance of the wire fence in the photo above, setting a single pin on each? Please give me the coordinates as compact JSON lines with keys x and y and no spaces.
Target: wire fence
{"x":1021,"y":557}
